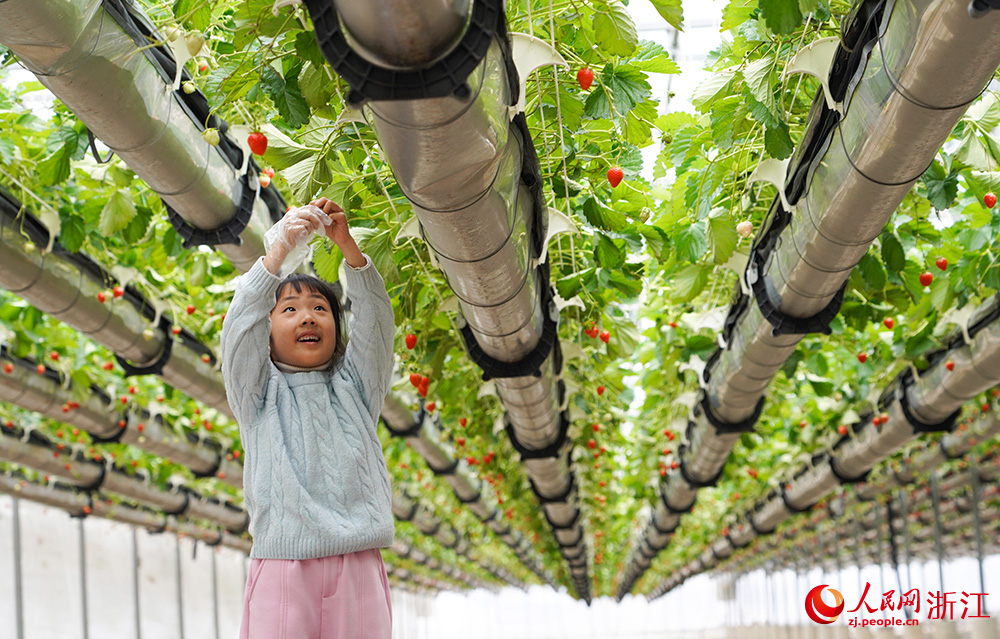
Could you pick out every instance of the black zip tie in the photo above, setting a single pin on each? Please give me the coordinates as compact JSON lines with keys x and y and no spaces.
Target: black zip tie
{"x":370,"y":81}
{"x":447,"y":470}
{"x":228,"y":233}
{"x":156,"y":367}
{"x":470,"y":500}
{"x":553,"y":450}
{"x":769,"y":303}
{"x":788,"y":504}
{"x":96,"y":484}
{"x":93,"y":149}
{"x":531,"y":364}
{"x":844,"y":479}
{"x":211,"y":544}
{"x":663,"y":497}
{"x":919,"y":426}
{"x":652,"y":522}
{"x":560,"y":498}
{"x":216,"y":447}
{"x":912,"y":100}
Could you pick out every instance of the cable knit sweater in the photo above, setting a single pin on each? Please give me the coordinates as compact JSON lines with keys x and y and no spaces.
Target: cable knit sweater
{"x":314,"y":478}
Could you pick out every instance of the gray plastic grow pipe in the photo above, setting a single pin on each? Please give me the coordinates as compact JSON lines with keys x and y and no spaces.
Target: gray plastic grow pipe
{"x":59,"y":284}
{"x":425,"y":438}
{"x":81,"y":54}
{"x":940,"y":59}
{"x":73,"y":501}
{"x":458,"y":161}
{"x":98,"y":415}
{"x":952,"y":445}
{"x":90,"y":475}
{"x":406,"y":551}
{"x":405,"y":508}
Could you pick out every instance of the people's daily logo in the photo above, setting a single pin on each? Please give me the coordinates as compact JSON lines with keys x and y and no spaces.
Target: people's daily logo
{"x":818,"y":610}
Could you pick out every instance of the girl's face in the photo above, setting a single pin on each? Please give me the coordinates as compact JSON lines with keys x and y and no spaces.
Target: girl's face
{"x":303,"y":328}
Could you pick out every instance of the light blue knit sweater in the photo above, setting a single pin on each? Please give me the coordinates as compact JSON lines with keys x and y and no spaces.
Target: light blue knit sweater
{"x":314,"y":477}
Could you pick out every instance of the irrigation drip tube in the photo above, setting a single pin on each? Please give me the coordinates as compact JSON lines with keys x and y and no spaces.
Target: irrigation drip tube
{"x":464,"y":159}
{"x":903,"y":75}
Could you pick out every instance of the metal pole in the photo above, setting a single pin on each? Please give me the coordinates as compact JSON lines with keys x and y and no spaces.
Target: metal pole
{"x":215,"y":591}
{"x":18,"y":593}
{"x":935,"y":502}
{"x":881,"y":554}
{"x":135,"y":583}
{"x":83,"y":576}
{"x":977,"y":495}
{"x":180,"y":598}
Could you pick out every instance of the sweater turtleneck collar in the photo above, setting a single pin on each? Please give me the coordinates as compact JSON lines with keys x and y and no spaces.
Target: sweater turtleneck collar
{"x":289,"y":368}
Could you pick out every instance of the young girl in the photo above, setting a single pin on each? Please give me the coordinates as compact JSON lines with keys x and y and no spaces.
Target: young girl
{"x":315,"y":481}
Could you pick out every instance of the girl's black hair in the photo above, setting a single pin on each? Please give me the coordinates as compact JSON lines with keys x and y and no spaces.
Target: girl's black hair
{"x":299,"y":280}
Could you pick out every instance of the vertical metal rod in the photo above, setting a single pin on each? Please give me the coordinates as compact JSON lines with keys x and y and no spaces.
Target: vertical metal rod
{"x":904,"y":500}
{"x":936,"y":503}
{"x":135,"y":583}
{"x":18,"y":592}
{"x":881,"y":553}
{"x":180,"y":597}
{"x":215,"y":590}
{"x":894,"y":550}
{"x":83,"y":575}
{"x":977,"y":495}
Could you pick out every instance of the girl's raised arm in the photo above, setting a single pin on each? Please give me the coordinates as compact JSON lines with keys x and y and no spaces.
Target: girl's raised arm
{"x":245,"y":341}
{"x":368,"y":359}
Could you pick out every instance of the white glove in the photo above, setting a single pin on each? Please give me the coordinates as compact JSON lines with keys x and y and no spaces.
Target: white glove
{"x":287,"y":242}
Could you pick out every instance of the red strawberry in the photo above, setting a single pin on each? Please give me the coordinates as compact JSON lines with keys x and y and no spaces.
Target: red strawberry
{"x":463,"y":421}
{"x":176,"y":330}
{"x":673,"y":324}
{"x":942,"y":263}
{"x":40,"y":369}
{"x":415,"y":380}
{"x":888,"y":323}
{"x":950,"y":365}
{"x":605,"y":336}
{"x":596,"y":427}
{"x":257,"y":142}
{"x":862,"y":357}
{"x":615,"y":175}
{"x":752,"y":472}
{"x":842,"y":429}
{"x":107,"y":366}
{"x":190,"y":309}
{"x":674,"y":464}
{"x":926,"y":279}
{"x":206,"y":358}
{"x":430,"y":407}
{"x":269,"y":172}
{"x":8,"y":368}
{"x":990,"y":200}
{"x":140,"y":427}
{"x":591,"y":444}
{"x":265,"y":180}
{"x":422,"y":390}
{"x":600,"y":390}
{"x":411,"y":341}
{"x":601,"y":483}
{"x":117,"y":291}
{"x":101,"y":297}
{"x":460,"y":441}
{"x":585,"y":77}
{"x":54,"y":356}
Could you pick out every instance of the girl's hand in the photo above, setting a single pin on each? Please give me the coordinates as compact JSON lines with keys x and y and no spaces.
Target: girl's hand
{"x":339,"y":233}
{"x":338,"y":230}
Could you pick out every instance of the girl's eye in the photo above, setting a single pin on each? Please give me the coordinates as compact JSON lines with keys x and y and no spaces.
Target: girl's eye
{"x":320,"y":308}
{"x":289,"y":307}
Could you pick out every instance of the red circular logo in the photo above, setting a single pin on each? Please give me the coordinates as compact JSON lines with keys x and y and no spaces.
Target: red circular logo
{"x":819,"y":611}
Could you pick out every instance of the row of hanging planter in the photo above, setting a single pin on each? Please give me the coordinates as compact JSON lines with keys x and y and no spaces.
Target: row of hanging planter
{"x":461,"y":153}
{"x":738,"y":539}
{"x":170,"y":122}
{"x":894,"y":86}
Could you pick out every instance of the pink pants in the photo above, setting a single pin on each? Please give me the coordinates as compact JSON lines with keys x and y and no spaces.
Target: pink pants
{"x":339,"y":597}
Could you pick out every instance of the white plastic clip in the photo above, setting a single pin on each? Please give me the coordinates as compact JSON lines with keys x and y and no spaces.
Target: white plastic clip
{"x":351,"y":115}
{"x":573,"y":301}
{"x":178,"y":46}
{"x":412,"y":229}
{"x":558,"y":223}
{"x":816,"y":60}
{"x":240,"y":133}
{"x":280,"y":4}
{"x":531,"y":53}
{"x":773,"y":172}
